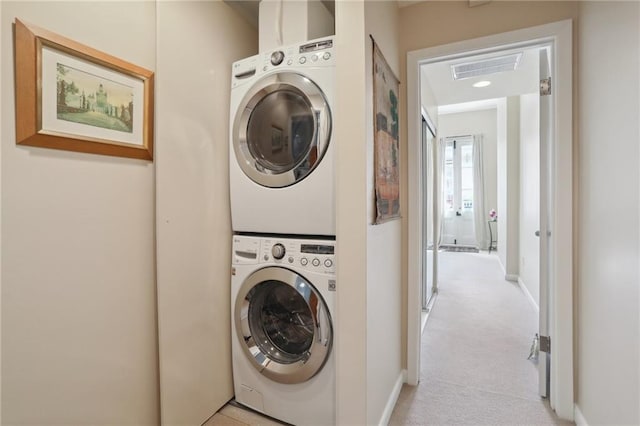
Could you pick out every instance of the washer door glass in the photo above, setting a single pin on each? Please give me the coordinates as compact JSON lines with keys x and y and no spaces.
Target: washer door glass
{"x":281,"y":130}
{"x":283,"y":324}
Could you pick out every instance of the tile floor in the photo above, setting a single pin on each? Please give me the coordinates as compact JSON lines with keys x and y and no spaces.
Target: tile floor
{"x":231,"y":415}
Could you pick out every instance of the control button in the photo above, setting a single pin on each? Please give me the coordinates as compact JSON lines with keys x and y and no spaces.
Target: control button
{"x":326,"y":55}
{"x":290,"y":61}
{"x":314,"y":58}
{"x":277,"y":57}
{"x":302,"y":59}
{"x":278,"y":251}
{"x":304,"y":261}
{"x":328,"y":263}
{"x":266,"y":257}
{"x":264,"y":68}
{"x":290,"y":259}
{"x":315,"y":262}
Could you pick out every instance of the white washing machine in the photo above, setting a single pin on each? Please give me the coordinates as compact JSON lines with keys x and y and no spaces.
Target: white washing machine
{"x":282,"y":300}
{"x":281,"y":166}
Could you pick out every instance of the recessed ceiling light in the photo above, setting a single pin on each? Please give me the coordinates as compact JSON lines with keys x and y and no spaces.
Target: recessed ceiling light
{"x":483,"y":83}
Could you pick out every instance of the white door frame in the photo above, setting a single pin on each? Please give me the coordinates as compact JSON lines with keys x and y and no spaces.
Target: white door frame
{"x":559,"y":36}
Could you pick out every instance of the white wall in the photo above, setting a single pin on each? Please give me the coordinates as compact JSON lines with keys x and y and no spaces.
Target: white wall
{"x":501,"y":178}
{"x":508,"y":184}
{"x":481,"y":122}
{"x":428,"y":99}
{"x":194,"y":225}
{"x":78,"y":267}
{"x":512,"y":233}
{"x":608,"y":297}
{"x":384,"y":242}
{"x":529,"y":269}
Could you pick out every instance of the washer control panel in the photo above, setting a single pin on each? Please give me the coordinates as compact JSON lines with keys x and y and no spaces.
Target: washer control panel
{"x":312,"y":255}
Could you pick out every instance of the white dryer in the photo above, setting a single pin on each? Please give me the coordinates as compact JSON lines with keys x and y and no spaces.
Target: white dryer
{"x":282,"y":300}
{"x":281,"y":166}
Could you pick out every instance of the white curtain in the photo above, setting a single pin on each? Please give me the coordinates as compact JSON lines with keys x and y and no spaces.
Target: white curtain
{"x":442,"y":144}
{"x":479,"y":211}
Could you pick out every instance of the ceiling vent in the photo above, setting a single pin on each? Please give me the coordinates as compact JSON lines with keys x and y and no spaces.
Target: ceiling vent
{"x":486,"y":66}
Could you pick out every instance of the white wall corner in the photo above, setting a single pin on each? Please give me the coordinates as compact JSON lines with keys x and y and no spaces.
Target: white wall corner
{"x":393,"y":398}
{"x":528,"y":294}
{"x":578,"y":417}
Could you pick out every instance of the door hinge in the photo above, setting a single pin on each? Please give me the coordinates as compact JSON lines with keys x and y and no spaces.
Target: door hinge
{"x":545,"y":344}
{"x":545,"y":86}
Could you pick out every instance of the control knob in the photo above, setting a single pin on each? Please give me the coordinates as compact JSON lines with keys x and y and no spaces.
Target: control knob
{"x":277,"y":57}
{"x":278,"y":251}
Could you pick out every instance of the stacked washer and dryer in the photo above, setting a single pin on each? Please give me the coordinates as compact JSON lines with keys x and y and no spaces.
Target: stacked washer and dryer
{"x":282,"y":206}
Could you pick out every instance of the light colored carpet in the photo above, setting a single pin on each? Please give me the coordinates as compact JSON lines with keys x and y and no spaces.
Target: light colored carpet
{"x":474,"y":367}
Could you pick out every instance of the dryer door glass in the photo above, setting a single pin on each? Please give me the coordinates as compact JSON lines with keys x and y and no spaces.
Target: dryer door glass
{"x":283,"y":325}
{"x":281,"y":130}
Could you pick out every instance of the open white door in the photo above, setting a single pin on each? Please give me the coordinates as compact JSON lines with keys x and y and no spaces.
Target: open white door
{"x":546,"y":118}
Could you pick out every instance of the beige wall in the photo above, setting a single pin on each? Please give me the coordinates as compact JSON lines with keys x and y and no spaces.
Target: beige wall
{"x":352,"y":217}
{"x":1,"y":119}
{"x":434,"y":23}
{"x":368,"y":319}
{"x":78,"y":270}
{"x":608,"y":297}
{"x":197,"y":43}
{"x":384,"y":244}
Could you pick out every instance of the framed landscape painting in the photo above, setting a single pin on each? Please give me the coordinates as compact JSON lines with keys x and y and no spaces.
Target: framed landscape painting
{"x":72,"y":97}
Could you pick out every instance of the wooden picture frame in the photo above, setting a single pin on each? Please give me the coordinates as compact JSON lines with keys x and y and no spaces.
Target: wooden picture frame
{"x":72,"y":97}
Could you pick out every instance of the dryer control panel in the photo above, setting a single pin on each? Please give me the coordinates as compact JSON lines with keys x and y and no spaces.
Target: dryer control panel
{"x":312,"y":255}
{"x":314,"y":53}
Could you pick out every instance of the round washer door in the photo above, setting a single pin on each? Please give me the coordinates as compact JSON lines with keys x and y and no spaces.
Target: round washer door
{"x":281,"y":130}
{"x":283,"y":325}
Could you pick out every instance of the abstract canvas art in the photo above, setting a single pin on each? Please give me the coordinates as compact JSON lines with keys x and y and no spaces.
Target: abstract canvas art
{"x":386,"y":153}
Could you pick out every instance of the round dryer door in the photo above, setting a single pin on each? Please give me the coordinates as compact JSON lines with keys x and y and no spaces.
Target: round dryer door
{"x":283,"y":325}
{"x":281,"y":130}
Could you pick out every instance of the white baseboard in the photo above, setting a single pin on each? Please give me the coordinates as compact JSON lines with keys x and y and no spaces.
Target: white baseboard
{"x":393,"y":398}
{"x":511,"y":277}
{"x":528,"y":294}
{"x":578,"y":417}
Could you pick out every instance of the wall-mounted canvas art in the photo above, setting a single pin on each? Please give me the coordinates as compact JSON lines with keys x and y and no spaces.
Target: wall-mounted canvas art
{"x":386,"y":124}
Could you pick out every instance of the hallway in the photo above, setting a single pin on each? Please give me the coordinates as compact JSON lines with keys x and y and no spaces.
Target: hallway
{"x":474,"y":367}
